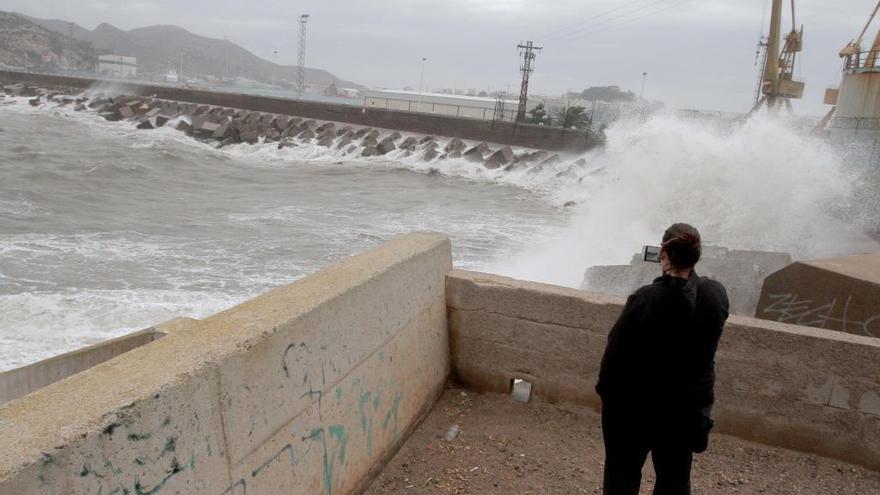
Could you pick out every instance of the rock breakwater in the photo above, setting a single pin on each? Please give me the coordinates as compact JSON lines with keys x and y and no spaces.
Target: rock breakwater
{"x":224,"y":126}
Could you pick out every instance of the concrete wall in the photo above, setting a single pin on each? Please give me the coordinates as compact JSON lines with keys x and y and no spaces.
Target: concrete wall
{"x":499,"y":132}
{"x":796,"y":387}
{"x":19,"y":382}
{"x":836,"y":293}
{"x":305,"y":389}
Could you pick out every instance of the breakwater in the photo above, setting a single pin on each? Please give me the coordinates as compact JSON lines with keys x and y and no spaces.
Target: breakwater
{"x":504,"y":133}
{"x":227,"y":125}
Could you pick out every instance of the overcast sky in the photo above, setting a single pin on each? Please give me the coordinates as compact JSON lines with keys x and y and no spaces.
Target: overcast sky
{"x":697,"y":53}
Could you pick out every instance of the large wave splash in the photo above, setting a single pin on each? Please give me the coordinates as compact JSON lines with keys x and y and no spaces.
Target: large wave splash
{"x":760,"y":185}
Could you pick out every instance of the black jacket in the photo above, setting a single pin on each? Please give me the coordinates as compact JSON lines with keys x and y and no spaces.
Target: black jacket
{"x":662,"y":349}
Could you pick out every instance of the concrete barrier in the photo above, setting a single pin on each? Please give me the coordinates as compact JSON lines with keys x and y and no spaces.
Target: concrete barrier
{"x":531,"y":136}
{"x":306,"y":389}
{"x":836,"y":293}
{"x":18,"y":382}
{"x":796,"y":387}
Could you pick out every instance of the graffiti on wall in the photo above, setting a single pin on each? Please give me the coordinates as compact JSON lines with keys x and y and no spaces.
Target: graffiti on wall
{"x":835,"y":314}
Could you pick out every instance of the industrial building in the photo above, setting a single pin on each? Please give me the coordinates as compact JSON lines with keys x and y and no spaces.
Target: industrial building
{"x":117,"y":65}
{"x":472,"y":107}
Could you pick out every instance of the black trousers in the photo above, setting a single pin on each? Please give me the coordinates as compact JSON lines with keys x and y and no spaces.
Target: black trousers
{"x":628,"y":440}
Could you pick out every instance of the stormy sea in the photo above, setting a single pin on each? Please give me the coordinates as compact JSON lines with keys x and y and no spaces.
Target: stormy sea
{"x":106,"y":229}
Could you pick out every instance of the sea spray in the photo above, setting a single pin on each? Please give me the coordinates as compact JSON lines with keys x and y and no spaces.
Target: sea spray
{"x":759,"y":186}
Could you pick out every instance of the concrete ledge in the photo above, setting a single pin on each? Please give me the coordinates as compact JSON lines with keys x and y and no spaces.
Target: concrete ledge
{"x":803,"y":388}
{"x":18,"y":382}
{"x":305,"y":389}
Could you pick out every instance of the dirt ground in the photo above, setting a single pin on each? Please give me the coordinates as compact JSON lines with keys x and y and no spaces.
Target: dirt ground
{"x":506,"y":447}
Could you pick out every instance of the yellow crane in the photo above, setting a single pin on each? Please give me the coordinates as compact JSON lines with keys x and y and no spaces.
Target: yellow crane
{"x":777,"y":85}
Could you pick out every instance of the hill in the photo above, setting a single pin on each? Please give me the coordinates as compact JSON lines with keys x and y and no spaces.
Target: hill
{"x":45,"y":48}
{"x":159,"y":48}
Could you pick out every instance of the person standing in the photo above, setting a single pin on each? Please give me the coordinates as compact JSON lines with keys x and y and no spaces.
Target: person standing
{"x":657,"y":376}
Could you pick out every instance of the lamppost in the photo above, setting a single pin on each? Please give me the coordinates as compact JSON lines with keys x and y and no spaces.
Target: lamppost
{"x":422,"y":83}
{"x":274,"y":67}
{"x":180,"y":71}
{"x":644,"y":78}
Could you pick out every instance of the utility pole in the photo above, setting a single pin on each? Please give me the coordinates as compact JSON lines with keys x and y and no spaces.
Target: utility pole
{"x":422,"y":83}
{"x":274,"y":66}
{"x":527,"y":50}
{"x":180,"y":72}
{"x":301,"y":68}
{"x":25,"y":61}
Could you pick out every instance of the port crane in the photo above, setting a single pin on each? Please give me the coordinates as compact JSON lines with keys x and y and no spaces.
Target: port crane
{"x":776,"y":86}
{"x":857,"y":81}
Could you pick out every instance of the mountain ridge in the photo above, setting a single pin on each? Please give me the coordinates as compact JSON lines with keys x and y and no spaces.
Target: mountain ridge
{"x":158,"y":49}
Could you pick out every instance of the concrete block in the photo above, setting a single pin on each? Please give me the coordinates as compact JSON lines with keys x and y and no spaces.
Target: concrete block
{"x":327,"y":126}
{"x":386,"y":146}
{"x":476,"y":153}
{"x":306,"y":135}
{"x":250,"y":136}
{"x":147,"y":124}
{"x":327,"y":140}
{"x":370,"y":151}
{"x":499,"y":158}
{"x":409,"y":144}
{"x":126,"y":112}
{"x":840,"y":294}
{"x":430,"y":154}
{"x":272,"y":134}
{"x":455,"y":146}
{"x":286,"y":143}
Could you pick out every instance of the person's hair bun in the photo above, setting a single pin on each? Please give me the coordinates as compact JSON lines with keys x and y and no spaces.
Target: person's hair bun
{"x":683,"y":246}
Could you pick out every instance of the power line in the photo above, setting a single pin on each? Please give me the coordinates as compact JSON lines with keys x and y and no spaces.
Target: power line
{"x":623,"y":22}
{"x":592,"y":18}
{"x":590,"y":25}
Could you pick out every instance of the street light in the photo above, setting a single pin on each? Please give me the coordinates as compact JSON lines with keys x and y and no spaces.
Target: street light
{"x":644,"y":78}
{"x":274,"y":66}
{"x":422,"y":83}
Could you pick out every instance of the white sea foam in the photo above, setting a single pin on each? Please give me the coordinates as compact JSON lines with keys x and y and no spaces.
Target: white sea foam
{"x":42,"y":324}
{"x":759,"y":186}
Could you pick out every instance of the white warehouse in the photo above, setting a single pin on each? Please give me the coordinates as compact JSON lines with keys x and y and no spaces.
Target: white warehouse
{"x":117,"y":65}
{"x":472,"y":107}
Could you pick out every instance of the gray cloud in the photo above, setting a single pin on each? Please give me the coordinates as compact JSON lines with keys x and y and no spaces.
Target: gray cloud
{"x":698,"y":53}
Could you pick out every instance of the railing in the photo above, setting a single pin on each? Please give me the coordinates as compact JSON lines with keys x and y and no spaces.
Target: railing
{"x":862,"y":61}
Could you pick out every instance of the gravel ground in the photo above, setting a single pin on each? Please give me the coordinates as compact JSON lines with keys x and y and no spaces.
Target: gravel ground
{"x":507,"y":447}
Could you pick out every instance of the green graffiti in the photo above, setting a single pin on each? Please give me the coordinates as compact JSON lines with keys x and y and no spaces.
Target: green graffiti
{"x":365,"y":422}
{"x":136,"y":437}
{"x":338,"y":431}
{"x":392,"y":413}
